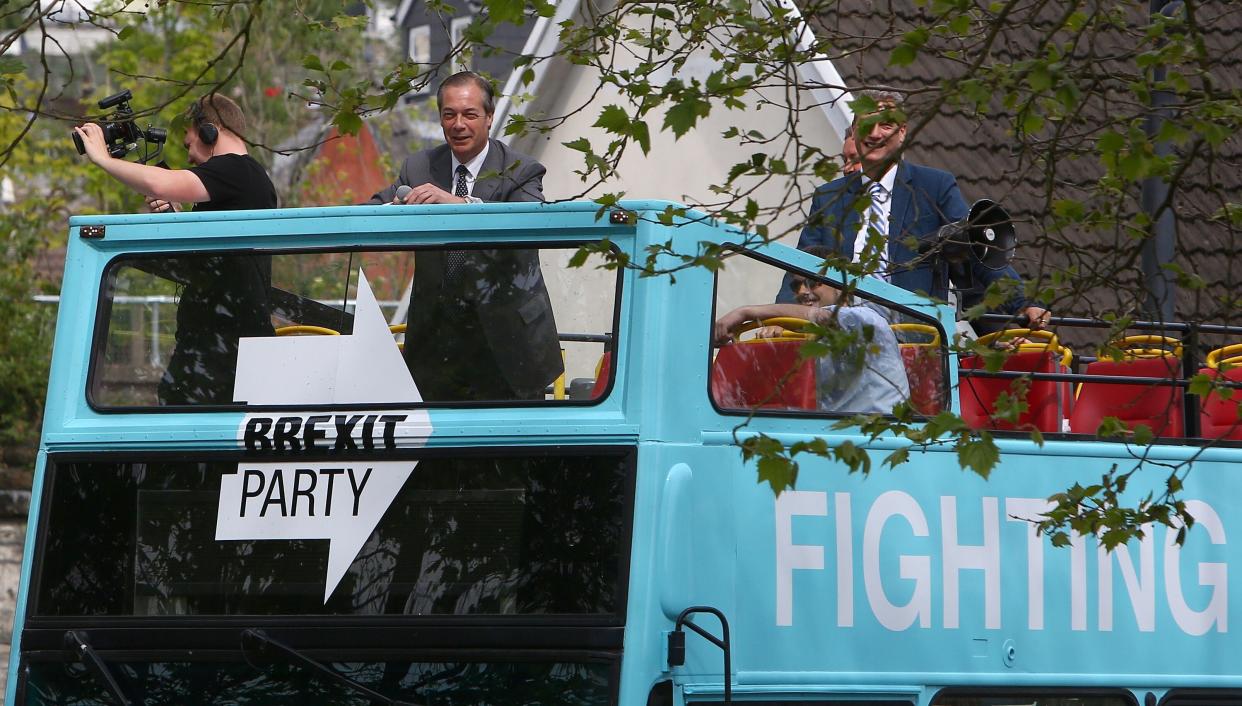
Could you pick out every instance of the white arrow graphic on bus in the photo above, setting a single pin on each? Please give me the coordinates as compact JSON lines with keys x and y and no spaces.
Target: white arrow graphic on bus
{"x":340,"y":502}
{"x":343,"y":500}
{"x":365,"y":367}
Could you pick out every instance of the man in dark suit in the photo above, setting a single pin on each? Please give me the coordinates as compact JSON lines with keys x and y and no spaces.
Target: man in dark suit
{"x":908,"y":202}
{"x":481,"y":325}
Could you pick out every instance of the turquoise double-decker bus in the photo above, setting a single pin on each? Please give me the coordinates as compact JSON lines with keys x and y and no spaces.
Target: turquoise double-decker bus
{"x":252,"y":490}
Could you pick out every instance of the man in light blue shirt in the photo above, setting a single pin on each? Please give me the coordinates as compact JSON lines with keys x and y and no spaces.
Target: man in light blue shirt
{"x":863,"y":374}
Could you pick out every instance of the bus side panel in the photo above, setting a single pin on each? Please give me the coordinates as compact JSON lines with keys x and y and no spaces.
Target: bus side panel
{"x":928,"y":575}
{"x":682,"y":556}
{"x":23,"y":591}
{"x":930,"y":571}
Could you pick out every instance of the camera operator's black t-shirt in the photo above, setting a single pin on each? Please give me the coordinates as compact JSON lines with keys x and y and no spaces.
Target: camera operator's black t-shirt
{"x":225,"y":297}
{"x":235,"y":182}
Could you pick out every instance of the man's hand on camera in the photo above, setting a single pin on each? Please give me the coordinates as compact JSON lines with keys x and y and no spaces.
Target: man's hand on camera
{"x":157,"y":205}
{"x":93,"y":140}
{"x":429,"y":193}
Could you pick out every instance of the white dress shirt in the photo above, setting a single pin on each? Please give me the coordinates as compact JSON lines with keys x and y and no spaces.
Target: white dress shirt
{"x":877,"y":217}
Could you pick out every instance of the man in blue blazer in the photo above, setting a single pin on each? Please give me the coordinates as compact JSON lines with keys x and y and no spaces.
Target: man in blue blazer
{"x":910,"y":203}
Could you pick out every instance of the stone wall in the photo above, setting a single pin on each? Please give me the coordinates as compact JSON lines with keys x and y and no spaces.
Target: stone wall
{"x":14,"y":506}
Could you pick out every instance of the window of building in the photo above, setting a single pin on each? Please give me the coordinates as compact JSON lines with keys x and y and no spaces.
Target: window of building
{"x":418,"y":43}
{"x":457,"y":33}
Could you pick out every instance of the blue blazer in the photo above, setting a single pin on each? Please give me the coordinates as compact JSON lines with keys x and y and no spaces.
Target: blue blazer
{"x":924,"y":199}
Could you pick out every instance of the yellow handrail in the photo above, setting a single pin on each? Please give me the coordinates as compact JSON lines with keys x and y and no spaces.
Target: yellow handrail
{"x":1149,"y":346}
{"x":1049,"y":342}
{"x":789,"y":323}
{"x":1228,"y":356}
{"x":919,"y":328}
{"x":306,"y":330}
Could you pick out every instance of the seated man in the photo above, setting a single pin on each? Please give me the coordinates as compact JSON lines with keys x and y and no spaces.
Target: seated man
{"x":865,"y":375}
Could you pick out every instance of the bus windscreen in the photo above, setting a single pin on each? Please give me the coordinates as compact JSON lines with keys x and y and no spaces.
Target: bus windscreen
{"x":482,"y":533}
{"x":245,"y":681}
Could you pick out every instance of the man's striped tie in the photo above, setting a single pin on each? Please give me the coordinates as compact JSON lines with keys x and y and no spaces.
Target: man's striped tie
{"x":877,"y":223}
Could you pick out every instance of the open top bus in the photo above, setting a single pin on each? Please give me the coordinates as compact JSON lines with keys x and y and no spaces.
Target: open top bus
{"x":307,"y":526}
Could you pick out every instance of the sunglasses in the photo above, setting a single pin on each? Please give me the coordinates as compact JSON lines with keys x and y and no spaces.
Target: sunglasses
{"x":797,"y":283}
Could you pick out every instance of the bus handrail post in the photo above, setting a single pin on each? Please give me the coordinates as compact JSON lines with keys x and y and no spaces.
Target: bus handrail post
{"x":677,"y":643}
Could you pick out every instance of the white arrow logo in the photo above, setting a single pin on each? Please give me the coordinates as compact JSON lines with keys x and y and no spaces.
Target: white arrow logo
{"x":340,"y":501}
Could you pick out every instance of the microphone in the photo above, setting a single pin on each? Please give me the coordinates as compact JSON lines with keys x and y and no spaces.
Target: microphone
{"x":403,"y":191}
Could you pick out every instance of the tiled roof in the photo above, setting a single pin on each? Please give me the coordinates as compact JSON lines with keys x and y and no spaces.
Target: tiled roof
{"x":990,"y":161}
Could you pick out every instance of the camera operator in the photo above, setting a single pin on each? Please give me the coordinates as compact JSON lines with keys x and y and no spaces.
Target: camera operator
{"x":224,"y":297}
{"x":224,"y":176}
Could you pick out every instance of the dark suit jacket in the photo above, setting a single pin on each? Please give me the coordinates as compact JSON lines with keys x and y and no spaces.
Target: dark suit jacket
{"x":515,"y":176}
{"x":505,"y":287}
{"x":924,"y":199}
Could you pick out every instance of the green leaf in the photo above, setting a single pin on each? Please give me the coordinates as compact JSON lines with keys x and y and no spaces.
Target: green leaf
{"x":1039,"y":78}
{"x":1110,"y":142}
{"x":511,"y":11}
{"x":778,"y":472}
{"x":1133,"y":166}
{"x":1174,"y":484}
{"x":310,"y":62}
{"x":614,"y":119}
{"x":1200,"y":385}
{"x":347,"y":122}
{"x":579,"y":258}
{"x":1069,"y":209}
{"x":638,"y":130}
{"x":1111,"y":427}
{"x":125,"y":33}
{"x":581,"y":145}
{"x":897,"y":457}
{"x":683,"y":116}
{"x":350,"y":21}
{"x":979,"y":455}
{"x":903,"y":55}
{"x":857,"y":459}
{"x":11,"y":65}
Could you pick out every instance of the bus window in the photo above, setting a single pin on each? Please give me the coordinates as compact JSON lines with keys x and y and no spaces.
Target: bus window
{"x":1202,"y":697}
{"x":502,"y":325}
{"x":808,"y":702}
{"x":247,"y":680}
{"x":869,"y":356}
{"x":1051,"y":697}
{"x":485,"y":534}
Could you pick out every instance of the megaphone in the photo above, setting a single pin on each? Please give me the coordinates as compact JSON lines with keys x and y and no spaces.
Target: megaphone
{"x":986,"y":236}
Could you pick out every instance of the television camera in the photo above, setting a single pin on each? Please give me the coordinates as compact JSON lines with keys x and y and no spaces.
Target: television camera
{"x":122,"y":134}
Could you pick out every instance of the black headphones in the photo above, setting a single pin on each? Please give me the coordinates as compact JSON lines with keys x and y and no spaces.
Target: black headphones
{"x":207,"y":132}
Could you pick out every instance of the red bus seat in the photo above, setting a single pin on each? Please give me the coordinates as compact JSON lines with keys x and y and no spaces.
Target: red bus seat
{"x":1218,"y":417}
{"x":1047,"y":400}
{"x":925,"y":373}
{"x":1157,"y":406}
{"x":603,"y":375}
{"x":924,"y":364}
{"x":757,"y":373}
